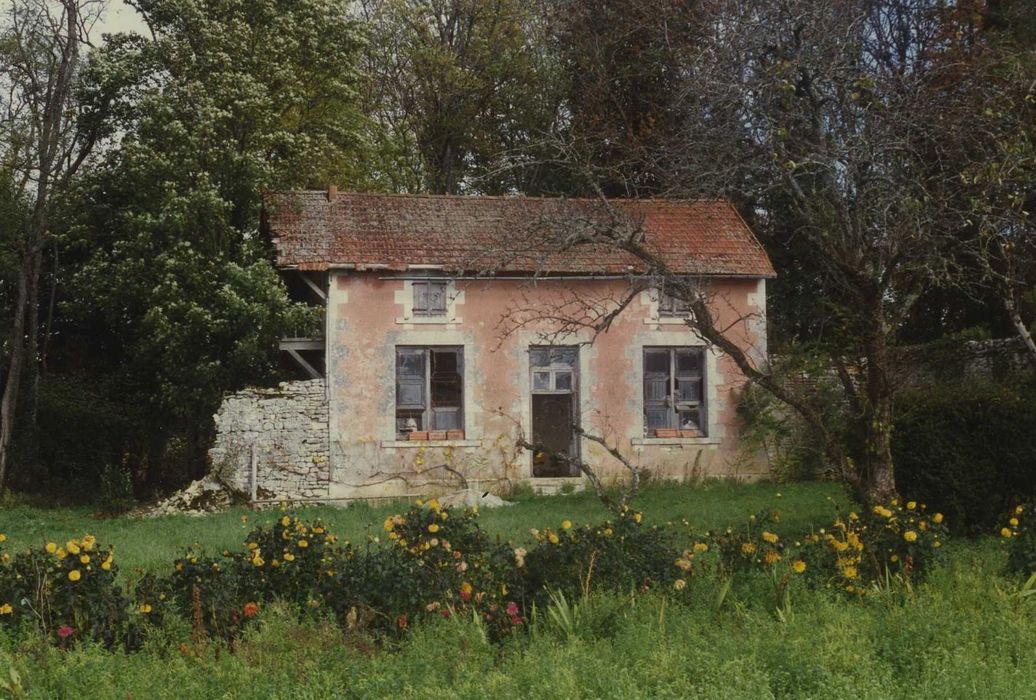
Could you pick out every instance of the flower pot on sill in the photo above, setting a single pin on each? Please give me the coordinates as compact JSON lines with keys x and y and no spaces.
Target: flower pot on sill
{"x":418,"y":435}
{"x":666,"y":432}
{"x":454,"y":434}
{"x":689,"y":433}
{"x":436,"y":434}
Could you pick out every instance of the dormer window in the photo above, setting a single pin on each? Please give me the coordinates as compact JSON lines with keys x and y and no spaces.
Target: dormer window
{"x":429,"y":299}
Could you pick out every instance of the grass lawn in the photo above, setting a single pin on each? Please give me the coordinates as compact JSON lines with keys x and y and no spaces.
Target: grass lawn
{"x":963,"y":633}
{"x":152,"y":544}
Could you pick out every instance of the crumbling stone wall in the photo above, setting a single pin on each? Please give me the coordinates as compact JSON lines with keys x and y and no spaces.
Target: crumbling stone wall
{"x":287,"y":427}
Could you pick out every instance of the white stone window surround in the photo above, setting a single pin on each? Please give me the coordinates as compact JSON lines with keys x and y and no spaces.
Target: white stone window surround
{"x":650,"y":298}
{"x":405,"y":298}
{"x":714,"y":432}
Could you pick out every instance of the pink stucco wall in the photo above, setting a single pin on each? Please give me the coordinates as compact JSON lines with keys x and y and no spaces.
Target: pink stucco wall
{"x":368,"y":318}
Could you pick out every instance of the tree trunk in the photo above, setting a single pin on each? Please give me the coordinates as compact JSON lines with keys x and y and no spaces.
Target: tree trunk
{"x":1020,"y":327}
{"x":877,"y":481}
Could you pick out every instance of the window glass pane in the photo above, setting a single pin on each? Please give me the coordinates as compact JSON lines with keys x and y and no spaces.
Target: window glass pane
{"x":539,"y":357}
{"x":407,"y":421}
{"x":410,"y":363}
{"x":410,"y":394}
{"x":444,"y":362}
{"x":541,"y":381}
{"x":563,"y":381}
{"x":446,"y":419}
{"x":656,"y":361}
{"x":656,"y":418}
{"x":563,"y":356}
{"x":689,"y":418}
{"x":447,"y":386}
{"x":688,"y":389}
{"x":656,"y":390}
{"x":688,"y":361}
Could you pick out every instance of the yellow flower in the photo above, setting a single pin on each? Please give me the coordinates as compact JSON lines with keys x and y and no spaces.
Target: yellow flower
{"x":1013,"y":522}
{"x":849,"y":572}
{"x":72,"y":547}
{"x":683,"y":564}
{"x":1019,"y":510}
{"x":839,"y":545}
{"x":923,"y":525}
{"x":3,"y":537}
{"x":607,"y":532}
{"x":769,"y":537}
{"x":553,"y":538}
{"x":637,"y":517}
{"x":51,"y":548}
{"x":700,"y":547}
{"x":894,"y":558}
{"x":910,"y":536}
{"x":252,"y":546}
{"x":799,"y":566}
{"x":566,"y":524}
{"x":747,"y":548}
{"x":679,"y":584}
{"x":937,"y":518}
{"x":466,"y":587}
{"x":257,"y":561}
{"x":145,"y":608}
{"x":285,"y":521}
{"x":6,"y":609}
{"x":288,"y":556}
{"x":61,"y":553}
{"x":88,"y":542}
{"x":303,"y":544}
{"x":771,"y":558}
{"x":85,"y":559}
{"x":911,"y":505}
{"x":853,"y":516}
{"x":434,"y":504}
{"x":107,"y":564}
{"x":433,"y":528}
{"x":1006,"y":532}
{"x":937,"y":544}
{"x":74,"y":575}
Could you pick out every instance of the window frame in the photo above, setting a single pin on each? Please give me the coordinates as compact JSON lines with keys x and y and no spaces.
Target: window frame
{"x":671,"y":403}
{"x":428,"y":411}
{"x":672,"y":307}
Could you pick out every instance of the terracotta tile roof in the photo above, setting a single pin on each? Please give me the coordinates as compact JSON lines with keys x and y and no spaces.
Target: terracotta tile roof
{"x":312,"y":231}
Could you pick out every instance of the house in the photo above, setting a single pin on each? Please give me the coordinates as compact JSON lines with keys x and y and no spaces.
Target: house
{"x":433,"y":358}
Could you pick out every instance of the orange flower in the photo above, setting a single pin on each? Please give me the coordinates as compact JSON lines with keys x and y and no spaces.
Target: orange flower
{"x":250,"y":609}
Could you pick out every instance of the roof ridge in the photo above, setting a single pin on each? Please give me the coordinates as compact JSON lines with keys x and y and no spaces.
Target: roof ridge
{"x":502,"y":197}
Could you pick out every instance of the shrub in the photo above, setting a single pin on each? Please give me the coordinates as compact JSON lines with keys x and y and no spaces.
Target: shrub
{"x":967,"y":452}
{"x":68,"y":592}
{"x":115,"y":495}
{"x":1020,"y":536}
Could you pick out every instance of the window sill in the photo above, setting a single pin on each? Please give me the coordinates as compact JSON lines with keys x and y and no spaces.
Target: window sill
{"x":424,"y":321}
{"x":431,"y":443}
{"x":666,"y":321}
{"x":646,"y":441}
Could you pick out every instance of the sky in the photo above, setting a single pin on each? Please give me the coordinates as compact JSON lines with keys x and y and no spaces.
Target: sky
{"x":119,"y":17}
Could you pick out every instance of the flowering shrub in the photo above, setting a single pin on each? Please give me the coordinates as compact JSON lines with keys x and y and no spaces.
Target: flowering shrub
{"x":1020,"y":536}
{"x":67,"y":591}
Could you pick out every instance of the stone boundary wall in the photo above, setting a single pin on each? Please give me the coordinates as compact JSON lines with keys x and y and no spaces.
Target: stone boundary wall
{"x":287,"y":426}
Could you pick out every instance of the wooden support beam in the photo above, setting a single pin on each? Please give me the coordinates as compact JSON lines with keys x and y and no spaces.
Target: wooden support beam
{"x":320,"y":292}
{"x":308,"y":368}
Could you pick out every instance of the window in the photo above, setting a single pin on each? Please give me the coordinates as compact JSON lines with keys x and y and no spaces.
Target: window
{"x":429,"y":298}
{"x":429,"y":389}
{"x":674,"y":396}
{"x":671,"y":307}
{"x":552,"y":368}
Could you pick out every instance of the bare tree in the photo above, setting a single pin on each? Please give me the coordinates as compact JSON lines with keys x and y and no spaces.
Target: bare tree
{"x":44,"y":145}
{"x":850,"y":122}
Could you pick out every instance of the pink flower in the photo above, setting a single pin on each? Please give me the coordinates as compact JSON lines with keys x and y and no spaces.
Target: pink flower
{"x":65,"y":631}
{"x":512,"y":609}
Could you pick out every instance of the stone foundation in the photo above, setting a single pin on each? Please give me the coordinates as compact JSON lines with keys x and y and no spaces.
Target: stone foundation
{"x":287,"y":429}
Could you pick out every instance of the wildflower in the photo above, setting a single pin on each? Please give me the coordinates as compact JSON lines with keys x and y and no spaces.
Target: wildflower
{"x":303,"y":544}
{"x":839,"y":545}
{"x":288,"y":556}
{"x":388,"y":524}
{"x":401,"y":622}
{"x":257,"y":561}
{"x":51,"y":548}
{"x":769,"y":537}
{"x":433,"y":528}
{"x":252,"y":546}
{"x":923,"y":525}
{"x":910,"y":536}
{"x":431,"y":607}
{"x":3,"y":537}
{"x":144,"y":608}
{"x":285,"y":521}
{"x":853,"y":516}
{"x":72,"y":547}
{"x":434,"y":505}
{"x":700,"y":547}
{"x":85,"y":559}
{"x":679,"y":584}
{"x":607,"y":532}
{"x":771,"y":558}
{"x":1018,"y":510}
{"x":799,"y":566}
{"x":937,"y":518}
{"x":465,"y":591}
{"x":534,"y":532}
{"x":250,"y":609}
{"x":1013,"y":522}
{"x":566,"y":524}
{"x":747,"y":548}
{"x":1006,"y":532}
{"x":6,"y":609}
{"x":519,"y":557}
{"x":637,"y":517}
{"x":434,"y":542}
{"x":937,"y":544}
{"x":88,"y":542}
{"x":74,"y":575}
{"x":683,"y":564}
{"x":462,"y":566}
{"x":553,"y":538}
{"x":850,"y":572}
{"x":894,"y":558}
{"x":65,"y":631}
{"x":512,"y":609}
{"x":911,"y":505}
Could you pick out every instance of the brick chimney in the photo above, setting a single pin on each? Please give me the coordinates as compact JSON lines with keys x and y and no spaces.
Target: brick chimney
{"x":332,"y":192}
